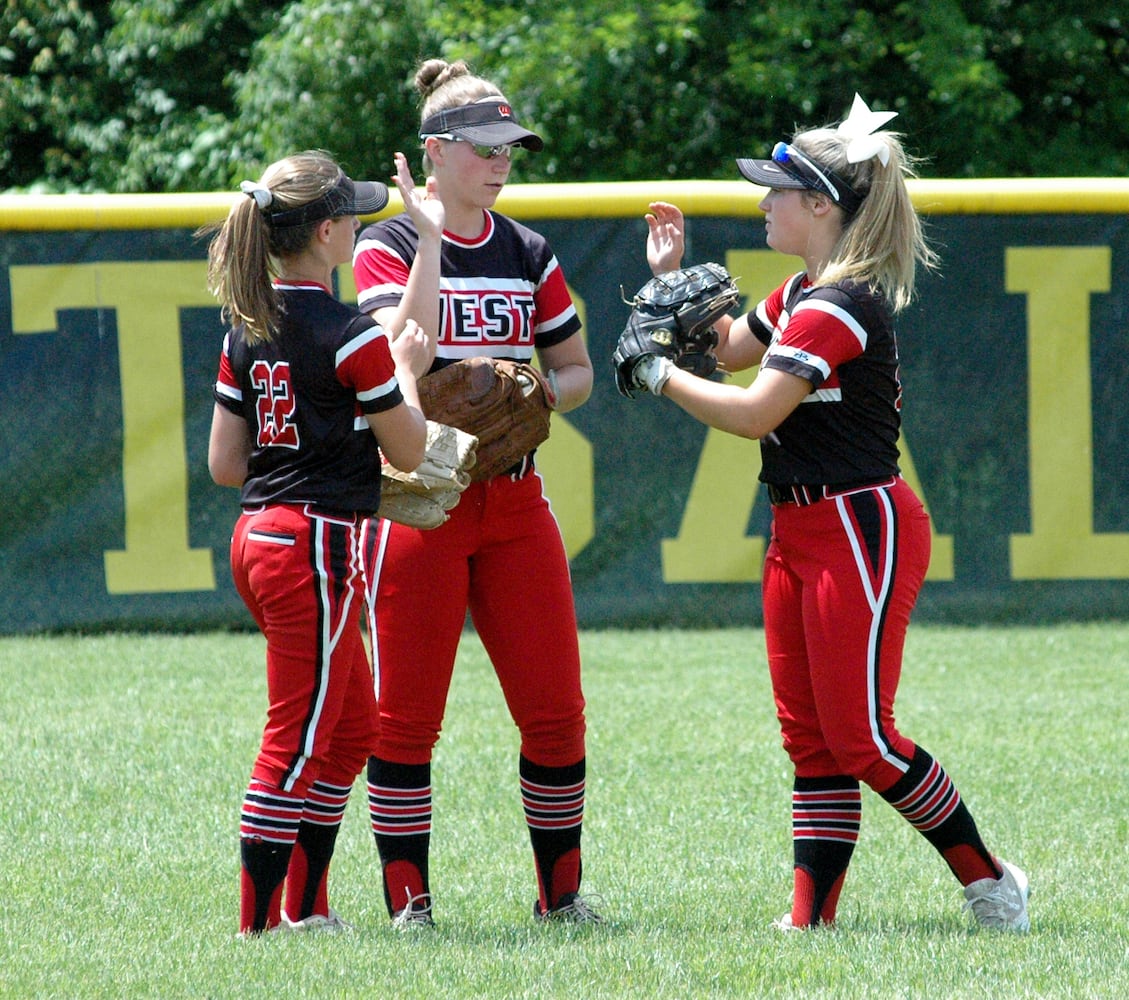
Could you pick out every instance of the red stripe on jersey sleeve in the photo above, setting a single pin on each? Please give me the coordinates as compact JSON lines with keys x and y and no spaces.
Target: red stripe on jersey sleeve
{"x":822,"y":334}
{"x":227,"y":385}
{"x":552,"y":300}
{"x":370,"y":371}
{"x":378,"y":265}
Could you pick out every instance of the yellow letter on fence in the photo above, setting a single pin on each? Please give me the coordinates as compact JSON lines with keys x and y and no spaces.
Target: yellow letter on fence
{"x":713,"y":544}
{"x":1062,"y":545}
{"x":147,"y":297}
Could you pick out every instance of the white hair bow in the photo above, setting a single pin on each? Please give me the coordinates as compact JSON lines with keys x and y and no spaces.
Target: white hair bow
{"x":263,"y":195}
{"x":858,"y":125}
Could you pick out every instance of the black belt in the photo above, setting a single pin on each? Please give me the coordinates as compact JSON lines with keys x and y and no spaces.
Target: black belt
{"x":521,"y":468}
{"x":806,"y":495}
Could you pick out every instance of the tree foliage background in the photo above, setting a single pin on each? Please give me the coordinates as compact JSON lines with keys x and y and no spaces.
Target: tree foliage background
{"x":190,"y":95}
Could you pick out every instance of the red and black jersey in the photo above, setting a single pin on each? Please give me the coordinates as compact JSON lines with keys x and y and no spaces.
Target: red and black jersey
{"x":501,"y":295}
{"x":304,"y":395}
{"x":841,"y":339}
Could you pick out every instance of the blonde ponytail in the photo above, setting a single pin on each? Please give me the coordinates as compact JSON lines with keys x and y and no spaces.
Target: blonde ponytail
{"x":883,"y":241}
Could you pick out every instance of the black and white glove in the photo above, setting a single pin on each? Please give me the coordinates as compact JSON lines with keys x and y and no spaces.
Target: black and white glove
{"x":672,"y":317}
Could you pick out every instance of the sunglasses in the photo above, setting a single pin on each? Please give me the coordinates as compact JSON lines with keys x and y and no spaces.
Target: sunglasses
{"x":803,"y":169}
{"x":508,"y":150}
{"x":819,"y":179}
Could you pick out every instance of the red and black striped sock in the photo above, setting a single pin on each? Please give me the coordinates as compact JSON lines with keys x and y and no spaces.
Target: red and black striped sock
{"x":930,"y":802}
{"x":826,"y":816}
{"x":553,"y":801}
{"x":268,"y":828}
{"x":307,"y":877}
{"x":399,"y":799}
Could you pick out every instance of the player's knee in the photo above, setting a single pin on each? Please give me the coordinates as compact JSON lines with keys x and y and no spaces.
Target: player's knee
{"x":407,"y":742}
{"x":871,"y":768}
{"x":557,"y":744}
{"x":344,"y":762}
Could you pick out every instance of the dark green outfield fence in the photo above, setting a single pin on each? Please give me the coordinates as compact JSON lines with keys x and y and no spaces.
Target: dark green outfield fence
{"x":1015,"y":416}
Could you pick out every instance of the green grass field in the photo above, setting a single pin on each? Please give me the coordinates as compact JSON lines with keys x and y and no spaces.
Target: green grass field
{"x":125,"y":757}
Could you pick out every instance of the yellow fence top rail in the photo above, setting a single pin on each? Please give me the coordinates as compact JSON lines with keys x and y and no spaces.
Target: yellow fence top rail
{"x":624,"y":199}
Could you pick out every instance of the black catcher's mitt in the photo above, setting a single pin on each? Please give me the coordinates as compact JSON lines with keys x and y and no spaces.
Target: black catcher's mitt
{"x":673,"y":315}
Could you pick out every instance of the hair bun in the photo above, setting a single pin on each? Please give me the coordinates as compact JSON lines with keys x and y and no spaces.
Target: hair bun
{"x":436,"y":72}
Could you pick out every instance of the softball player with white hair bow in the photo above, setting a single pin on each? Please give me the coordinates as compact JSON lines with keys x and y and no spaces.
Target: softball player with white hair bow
{"x":850,"y":540}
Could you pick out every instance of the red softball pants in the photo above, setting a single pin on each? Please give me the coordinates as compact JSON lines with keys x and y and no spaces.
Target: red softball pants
{"x":500,"y":556}
{"x":300,"y":576}
{"x":841,"y":577}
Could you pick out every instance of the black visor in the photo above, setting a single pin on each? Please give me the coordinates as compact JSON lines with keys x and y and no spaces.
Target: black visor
{"x":346,"y":197}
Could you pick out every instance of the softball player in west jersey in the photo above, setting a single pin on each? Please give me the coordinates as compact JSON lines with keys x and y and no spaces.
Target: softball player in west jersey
{"x":306,"y":385}
{"x":850,"y":540}
{"x":481,"y":285}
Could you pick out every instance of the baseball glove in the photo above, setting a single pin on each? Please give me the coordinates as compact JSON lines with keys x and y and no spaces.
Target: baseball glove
{"x":505,"y":404}
{"x":673,"y":315}
{"x":421,"y":498}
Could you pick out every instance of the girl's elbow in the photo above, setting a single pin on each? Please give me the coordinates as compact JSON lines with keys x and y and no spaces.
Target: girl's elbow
{"x":415,"y":459}
{"x":407,"y":455}
{"x":748,"y":431}
{"x":225,"y":474}
{"x":577,"y":398}
{"x":754,"y":427}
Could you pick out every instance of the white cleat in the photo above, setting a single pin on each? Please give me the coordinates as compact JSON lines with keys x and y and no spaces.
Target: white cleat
{"x":415,"y":916}
{"x":1000,"y":903}
{"x":332,"y":924}
{"x":572,"y":909}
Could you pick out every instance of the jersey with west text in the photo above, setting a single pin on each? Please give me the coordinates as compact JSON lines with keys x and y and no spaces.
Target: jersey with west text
{"x":304,"y":395}
{"x":841,"y":339}
{"x":501,"y":295}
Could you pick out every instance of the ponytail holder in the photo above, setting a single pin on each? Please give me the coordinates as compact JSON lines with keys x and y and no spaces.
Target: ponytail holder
{"x":263,"y":195}
{"x":857,"y":128}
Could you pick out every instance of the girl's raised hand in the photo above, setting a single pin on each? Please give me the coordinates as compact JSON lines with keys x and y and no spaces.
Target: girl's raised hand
{"x":421,"y":204}
{"x":666,"y":237}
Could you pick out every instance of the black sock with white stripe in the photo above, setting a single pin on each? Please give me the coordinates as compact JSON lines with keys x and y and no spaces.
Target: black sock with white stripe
{"x":399,"y":798}
{"x":826,"y":816}
{"x":930,"y":802}
{"x":553,"y":801}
